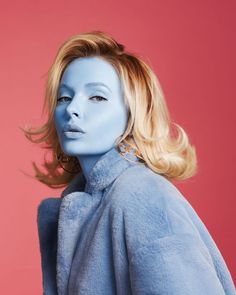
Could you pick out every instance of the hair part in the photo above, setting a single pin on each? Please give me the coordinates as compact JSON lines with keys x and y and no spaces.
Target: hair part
{"x":163,"y":144}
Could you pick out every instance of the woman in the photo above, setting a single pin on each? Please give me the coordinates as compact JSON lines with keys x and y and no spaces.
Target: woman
{"x":120,"y":226}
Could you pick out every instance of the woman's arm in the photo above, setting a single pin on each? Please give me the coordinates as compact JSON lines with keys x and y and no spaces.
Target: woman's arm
{"x":175,"y":265}
{"x":168,"y":252}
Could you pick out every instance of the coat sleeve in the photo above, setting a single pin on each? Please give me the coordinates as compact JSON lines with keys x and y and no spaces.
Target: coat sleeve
{"x":176,"y":265}
{"x":166,"y":252}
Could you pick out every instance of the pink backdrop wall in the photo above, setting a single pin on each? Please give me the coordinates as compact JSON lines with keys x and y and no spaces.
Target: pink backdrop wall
{"x":191,"y":47}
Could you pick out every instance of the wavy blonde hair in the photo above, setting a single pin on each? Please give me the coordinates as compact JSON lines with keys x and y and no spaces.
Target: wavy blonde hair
{"x":149,"y":127}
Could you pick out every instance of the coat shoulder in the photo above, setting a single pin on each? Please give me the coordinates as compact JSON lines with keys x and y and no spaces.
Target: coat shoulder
{"x":48,"y":210}
{"x":154,"y":199}
{"x":139,"y":184}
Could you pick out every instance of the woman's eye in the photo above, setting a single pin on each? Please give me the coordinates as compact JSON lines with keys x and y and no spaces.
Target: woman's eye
{"x":63,"y":99}
{"x":99,"y":98}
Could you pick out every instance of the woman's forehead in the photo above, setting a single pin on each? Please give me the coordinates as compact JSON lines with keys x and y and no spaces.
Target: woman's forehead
{"x":90,"y":72}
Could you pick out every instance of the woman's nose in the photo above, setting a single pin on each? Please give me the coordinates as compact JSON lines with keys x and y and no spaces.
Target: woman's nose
{"x":74,"y":109}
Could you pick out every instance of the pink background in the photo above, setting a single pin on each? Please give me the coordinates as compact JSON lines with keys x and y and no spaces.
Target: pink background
{"x":191,"y":47}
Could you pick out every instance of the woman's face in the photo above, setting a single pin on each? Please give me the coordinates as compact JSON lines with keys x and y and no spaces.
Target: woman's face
{"x":89,"y":98}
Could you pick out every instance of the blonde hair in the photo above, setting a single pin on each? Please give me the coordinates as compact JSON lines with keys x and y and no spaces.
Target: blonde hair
{"x":149,"y":128}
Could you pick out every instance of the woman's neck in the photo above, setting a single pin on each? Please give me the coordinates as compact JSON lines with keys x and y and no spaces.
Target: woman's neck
{"x":87,"y":162}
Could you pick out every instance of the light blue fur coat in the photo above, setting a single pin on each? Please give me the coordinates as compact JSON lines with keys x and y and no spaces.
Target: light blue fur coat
{"x":127,"y":230}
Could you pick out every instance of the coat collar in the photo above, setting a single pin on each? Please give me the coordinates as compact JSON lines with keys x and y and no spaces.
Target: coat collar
{"x":108,"y":167}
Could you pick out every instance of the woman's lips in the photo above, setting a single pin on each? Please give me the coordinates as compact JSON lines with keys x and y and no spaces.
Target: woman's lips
{"x":73,"y":134}
{"x":72,"y":127}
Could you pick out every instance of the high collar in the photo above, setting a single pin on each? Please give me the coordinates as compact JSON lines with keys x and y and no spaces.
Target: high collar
{"x":108,"y":167}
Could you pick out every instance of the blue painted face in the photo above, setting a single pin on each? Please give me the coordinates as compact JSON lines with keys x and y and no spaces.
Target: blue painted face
{"x":90,"y":113}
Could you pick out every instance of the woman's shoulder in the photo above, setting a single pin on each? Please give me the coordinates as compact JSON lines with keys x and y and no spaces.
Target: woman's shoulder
{"x":139,"y":183}
{"x":140,"y":192}
{"x":48,"y":209}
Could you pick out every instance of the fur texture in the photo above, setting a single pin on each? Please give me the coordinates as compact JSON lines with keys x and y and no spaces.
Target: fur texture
{"x":127,"y":230}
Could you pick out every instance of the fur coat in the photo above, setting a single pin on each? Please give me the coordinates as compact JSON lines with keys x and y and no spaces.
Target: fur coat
{"x":127,"y":230}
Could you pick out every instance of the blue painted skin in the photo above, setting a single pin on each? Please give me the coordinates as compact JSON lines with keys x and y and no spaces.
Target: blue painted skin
{"x":99,"y":110}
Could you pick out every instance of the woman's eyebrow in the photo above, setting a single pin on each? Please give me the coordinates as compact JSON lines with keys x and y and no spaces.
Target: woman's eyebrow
{"x":98,"y":84}
{"x":63,"y":85}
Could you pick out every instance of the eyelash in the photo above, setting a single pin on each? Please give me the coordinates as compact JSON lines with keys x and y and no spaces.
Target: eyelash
{"x":60,"y":98}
